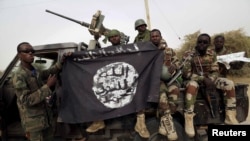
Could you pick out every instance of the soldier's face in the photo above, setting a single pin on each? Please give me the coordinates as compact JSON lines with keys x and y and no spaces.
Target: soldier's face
{"x":115,"y":40}
{"x":141,"y":28}
{"x":155,"y":38}
{"x":26,"y":53}
{"x":203,"y":43}
{"x":219,"y":43}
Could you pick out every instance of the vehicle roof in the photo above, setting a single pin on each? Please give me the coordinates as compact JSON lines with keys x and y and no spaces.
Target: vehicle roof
{"x":53,"y":46}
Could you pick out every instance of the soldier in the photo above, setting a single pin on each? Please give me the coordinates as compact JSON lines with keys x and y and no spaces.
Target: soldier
{"x":221,"y":49}
{"x":32,"y":95}
{"x":143,"y":35}
{"x":114,"y":38}
{"x":202,"y":68}
{"x":168,"y":94}
{"x":143,"y":32}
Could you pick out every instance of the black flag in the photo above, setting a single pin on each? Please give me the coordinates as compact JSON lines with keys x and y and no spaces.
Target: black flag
{"x":110,"y":82}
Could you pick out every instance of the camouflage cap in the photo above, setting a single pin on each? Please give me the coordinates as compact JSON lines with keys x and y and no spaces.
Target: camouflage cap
{"x":113,"y":32}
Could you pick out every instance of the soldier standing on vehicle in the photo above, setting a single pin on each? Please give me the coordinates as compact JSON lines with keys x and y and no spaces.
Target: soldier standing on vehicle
{"x":221,"y":49}
{"x":32,"y":95}
{"x":114,"y":38}
{"x":168,"y":94}
{"x":143,"y":35}
{"x":203,"y":68}
{"x":143,"y":32}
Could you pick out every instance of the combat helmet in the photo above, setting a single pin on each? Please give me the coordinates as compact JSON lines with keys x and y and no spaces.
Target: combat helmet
{"x":139,"y":22}
{"x":113,"y":32}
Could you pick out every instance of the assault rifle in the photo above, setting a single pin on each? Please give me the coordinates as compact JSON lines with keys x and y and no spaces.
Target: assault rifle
{"x":179,"y":72}
{"x":207,"y":92}
{"x":95,"y":27}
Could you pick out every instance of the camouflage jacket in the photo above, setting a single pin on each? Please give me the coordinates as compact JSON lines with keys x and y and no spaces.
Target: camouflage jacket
{"x":145,"y":36}
{"x":31,"y":95}
{"x":198,"y":67}
{"x":223,"y":71}
{"x":223,"y":51}
{"x":170,"y":57}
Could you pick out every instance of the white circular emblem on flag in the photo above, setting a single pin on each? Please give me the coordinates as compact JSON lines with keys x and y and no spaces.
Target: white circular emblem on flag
{"x":115,"y":84}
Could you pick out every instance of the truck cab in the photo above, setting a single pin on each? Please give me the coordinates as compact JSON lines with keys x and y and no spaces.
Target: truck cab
{"x":45,"y":56}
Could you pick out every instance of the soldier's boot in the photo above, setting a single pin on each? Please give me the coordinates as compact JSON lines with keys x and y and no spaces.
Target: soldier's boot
{"x":167,"y":127}
{"x":141,"y":127}
{"x":95,"y":126}
{"x":231,"y":117}
{"x":189,"y":125}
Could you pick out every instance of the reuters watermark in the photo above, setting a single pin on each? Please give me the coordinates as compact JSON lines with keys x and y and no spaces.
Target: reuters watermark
{"x":242,"y":132}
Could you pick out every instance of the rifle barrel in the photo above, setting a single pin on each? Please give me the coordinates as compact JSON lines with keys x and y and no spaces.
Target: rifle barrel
{"x":210,"y":105}
{"x":65,"y":17}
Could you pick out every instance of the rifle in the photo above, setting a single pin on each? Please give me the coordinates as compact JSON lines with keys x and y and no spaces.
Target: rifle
{"x":179,"y":72}
{"x":95,"y":27}
{"x":206,"y":93}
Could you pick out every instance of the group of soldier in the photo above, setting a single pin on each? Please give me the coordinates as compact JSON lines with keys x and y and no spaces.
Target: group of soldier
{"x":201,"y":68}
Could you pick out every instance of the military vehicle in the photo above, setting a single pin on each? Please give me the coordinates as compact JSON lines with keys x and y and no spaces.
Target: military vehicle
{"x":208,"y":111}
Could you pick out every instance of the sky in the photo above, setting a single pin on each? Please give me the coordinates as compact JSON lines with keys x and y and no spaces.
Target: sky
{"x":27,"y":20}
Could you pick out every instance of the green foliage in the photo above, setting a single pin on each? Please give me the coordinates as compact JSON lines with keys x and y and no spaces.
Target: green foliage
{"x":235,"y":40}
{"x":189,"y":43}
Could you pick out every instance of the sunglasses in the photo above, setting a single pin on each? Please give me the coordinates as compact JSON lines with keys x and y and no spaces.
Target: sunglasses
{"x":203,"y":41}
{"x":28,"y":51}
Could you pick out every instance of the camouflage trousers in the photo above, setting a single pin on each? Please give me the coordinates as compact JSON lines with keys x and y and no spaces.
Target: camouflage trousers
{"x":224,"y":84}
{"x":44,"y":135}
{"x":168,"y":97}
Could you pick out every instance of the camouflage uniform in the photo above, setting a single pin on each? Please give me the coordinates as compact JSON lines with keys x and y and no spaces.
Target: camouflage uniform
{"x":220,"y":49}
{"x":168,"y":94}
{"x":144,"y":33}
{"x":140,"y":126}
{"x":141,"y":37}
{"x":195,"y":71}
{"x":172,"y":91}
{"x":223,"y":51}
{"x":222,"y":68}
{"x":32,"y":101}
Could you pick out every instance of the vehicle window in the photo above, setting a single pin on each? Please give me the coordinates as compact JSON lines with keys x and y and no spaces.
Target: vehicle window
{"x":41,"y":61}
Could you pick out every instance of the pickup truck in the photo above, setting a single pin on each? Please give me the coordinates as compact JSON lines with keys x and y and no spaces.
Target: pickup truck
{"x":121,"y":128}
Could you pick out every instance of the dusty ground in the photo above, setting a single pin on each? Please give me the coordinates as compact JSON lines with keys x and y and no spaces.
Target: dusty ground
{"x":247,"y":81}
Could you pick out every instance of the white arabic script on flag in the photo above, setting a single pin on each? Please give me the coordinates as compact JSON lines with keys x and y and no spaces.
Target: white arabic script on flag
{"x":228,"y":58}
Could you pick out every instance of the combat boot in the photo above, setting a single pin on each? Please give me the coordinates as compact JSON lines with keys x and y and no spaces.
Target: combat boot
{"x":189,"y":125}
{"x":141,"y":127}
{"x":167,"y":127}
{"x":231,"y":117}
{"x":95,"y":126}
